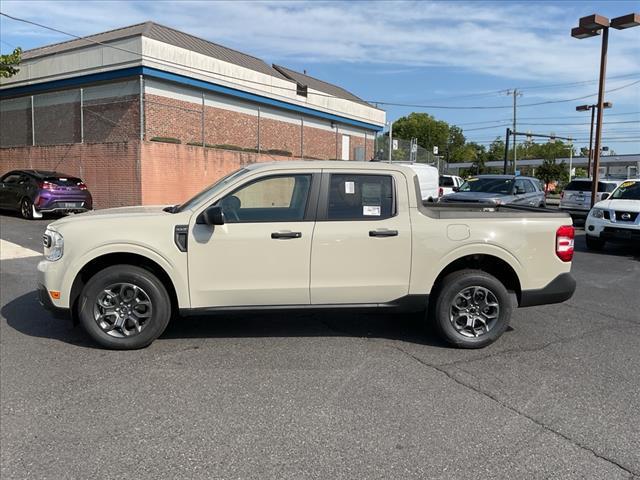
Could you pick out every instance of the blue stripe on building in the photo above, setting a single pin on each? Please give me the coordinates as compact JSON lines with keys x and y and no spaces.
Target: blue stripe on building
{"x":182,"y":80}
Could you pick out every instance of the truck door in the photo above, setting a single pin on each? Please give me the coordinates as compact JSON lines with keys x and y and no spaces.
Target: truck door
{"x":261,"y":255}
{"x":361,"y":249}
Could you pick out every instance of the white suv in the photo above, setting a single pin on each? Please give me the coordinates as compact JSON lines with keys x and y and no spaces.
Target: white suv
{"x":576,"y":196}
{"x":449,"y":184}
{"x":617,"y":217}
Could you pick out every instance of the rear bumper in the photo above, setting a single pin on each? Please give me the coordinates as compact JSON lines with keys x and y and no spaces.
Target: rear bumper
{"x":45,"y":301}
{"x":63,"y":202}
{"x":558,"y":290}
{"x":576,"y":212}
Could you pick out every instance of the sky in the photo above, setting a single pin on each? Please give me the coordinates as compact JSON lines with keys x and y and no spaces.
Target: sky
{"x":453,"y":54}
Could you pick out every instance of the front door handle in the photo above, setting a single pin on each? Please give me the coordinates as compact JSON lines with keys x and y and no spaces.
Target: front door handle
{"x":285,"y":235}
{"x":383,"y":233}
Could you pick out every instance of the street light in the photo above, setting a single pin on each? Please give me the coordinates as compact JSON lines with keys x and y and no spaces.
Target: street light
{"x":589,"y":27}
{"x":586,"y":108}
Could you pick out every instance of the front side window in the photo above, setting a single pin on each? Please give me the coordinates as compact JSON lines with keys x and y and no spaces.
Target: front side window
{"x":281,"y":198}
{"x":528,"y":186}
{"x":360,"y":197}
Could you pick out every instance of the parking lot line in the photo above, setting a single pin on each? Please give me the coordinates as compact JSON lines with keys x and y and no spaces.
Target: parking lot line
{"x":10,"y":251}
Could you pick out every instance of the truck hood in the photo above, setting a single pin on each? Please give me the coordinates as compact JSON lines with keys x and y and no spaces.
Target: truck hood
{"x":109,"y":213}
{"x":624,"y":205}
{"x":474,"y":197}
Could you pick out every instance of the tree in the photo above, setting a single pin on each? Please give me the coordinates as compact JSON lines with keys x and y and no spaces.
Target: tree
{"x":550,"y":171}
{"x":9,"y":63}
{"x":430,"y":132}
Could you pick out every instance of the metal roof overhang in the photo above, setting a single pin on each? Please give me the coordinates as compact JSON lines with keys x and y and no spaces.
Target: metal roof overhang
{"x":183,"y":80}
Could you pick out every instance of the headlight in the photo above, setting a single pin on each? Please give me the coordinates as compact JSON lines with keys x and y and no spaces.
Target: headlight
{"x":597,"y":213}
{"x":53,"y":245}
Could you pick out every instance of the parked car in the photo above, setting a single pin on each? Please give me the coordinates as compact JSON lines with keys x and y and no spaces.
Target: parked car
{"x":575,"y":199}
{"x":500,"y":190}
{"x":449,"y":184}
{"x":306,"y":235}
{"x":615,"y":217}
{"x":34,"y":192}
{"x":428,"y":179}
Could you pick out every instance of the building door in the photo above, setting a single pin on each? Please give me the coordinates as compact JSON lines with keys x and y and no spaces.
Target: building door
{"x":345,"y":147}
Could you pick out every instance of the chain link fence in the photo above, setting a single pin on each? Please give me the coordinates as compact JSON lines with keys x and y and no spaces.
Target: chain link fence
{"x":406,"y":151}
{"x":102,"y":113}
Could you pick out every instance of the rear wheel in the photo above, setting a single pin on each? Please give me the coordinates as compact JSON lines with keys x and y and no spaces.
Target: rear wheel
{"x":472,"y":309}
{"x":594,"y":243}
{"x":124,"y":307}
{"x":26,"y":208}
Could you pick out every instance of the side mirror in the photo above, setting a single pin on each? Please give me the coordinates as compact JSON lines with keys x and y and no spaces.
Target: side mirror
{"x":211,"y":216}
{"x":605,"y":196}
{"x":456,"y":189}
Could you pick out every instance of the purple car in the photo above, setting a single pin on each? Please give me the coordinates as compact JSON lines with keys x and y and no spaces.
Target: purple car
{"x":34,"y":192}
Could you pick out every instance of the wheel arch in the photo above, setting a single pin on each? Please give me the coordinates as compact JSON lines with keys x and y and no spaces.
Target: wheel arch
{"x":491,"y":264}
{"x":99,"y":262}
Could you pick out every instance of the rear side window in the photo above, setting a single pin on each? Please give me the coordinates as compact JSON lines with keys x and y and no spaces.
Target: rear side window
{"x":12,"y":178}
{"x":360,"y":197}
{"x":528,"y":186}
{"x":446,"y":181}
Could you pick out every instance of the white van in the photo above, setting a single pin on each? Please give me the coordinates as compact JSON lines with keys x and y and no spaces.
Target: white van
{"x":428,"y":177}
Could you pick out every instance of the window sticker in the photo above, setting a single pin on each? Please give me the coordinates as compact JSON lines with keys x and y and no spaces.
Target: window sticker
{"x":627,"y":184}
{"x":349,"y":187}
{"x":371,"y":210}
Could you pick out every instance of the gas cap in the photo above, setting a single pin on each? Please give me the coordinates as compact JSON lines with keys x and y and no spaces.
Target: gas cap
{"x":458,"y":232}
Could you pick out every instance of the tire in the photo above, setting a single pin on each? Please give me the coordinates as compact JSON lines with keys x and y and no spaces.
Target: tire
{"x":484,"y":330}
{"x":26,"y":208}
{"x":594,"y":243}
{"x":138,"y":294}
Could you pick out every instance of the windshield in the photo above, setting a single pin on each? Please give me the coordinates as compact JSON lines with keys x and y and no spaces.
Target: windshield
{"x":488,"y":185}
{"x":211,"y":190}
{"x":627,"y":191}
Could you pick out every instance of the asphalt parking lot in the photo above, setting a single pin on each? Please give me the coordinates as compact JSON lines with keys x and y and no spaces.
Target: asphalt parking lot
{"x":323,"y":395}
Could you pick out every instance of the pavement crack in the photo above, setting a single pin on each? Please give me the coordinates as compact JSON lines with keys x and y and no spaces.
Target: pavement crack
{"x":537,"y":348}
{"x":503,"y":404}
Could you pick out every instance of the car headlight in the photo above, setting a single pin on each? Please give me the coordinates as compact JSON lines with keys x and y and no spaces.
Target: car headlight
{"x":53,"y":245}
{"x":597,"y":213}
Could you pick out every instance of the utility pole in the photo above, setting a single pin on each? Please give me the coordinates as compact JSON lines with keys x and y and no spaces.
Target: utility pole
{"x":390,"y":139}
{"x":515,"y":94}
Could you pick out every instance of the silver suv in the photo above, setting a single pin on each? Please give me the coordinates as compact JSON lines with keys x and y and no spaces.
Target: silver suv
{"x":499,"y":189}
{"x":576,"y":196}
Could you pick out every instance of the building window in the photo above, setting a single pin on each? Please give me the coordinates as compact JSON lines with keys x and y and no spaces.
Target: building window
{"x":301,"y":90}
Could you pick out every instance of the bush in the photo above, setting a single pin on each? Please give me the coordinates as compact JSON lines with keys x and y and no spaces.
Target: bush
{"x":275,"y":151}
{"x":165,"y":140}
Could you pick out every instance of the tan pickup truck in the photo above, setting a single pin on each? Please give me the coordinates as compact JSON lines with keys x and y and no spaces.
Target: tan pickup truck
{"x":298,"y":235}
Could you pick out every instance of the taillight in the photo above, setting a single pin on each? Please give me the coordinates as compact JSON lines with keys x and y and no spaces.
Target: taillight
{"x":564,"y":242}
{"x":440,"y":191}
{"x":82,"y":186}
{"x":46,"y":186}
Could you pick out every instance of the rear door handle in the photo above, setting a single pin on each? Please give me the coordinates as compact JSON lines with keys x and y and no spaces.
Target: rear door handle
{"x":383,"y":233}
{"x":285,"y":235}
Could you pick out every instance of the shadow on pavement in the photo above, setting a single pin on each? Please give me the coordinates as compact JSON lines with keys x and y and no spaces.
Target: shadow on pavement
{"x":618,"y":249}
{"x":27,"y":316}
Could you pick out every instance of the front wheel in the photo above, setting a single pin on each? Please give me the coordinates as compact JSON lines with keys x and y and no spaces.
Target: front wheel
{"x":472,"y":309}
{"x":124,"y":307}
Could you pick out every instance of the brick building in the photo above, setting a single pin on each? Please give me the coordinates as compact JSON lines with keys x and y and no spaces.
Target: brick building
{"x":148,"y":114}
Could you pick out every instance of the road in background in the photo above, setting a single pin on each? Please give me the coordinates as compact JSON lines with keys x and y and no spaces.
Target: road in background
{"x":319,"y":395}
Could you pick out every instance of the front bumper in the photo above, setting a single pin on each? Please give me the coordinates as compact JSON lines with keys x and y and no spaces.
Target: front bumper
{"x":558,"y":290}
{"x":612,"y":231}
{"x":47,"y":303}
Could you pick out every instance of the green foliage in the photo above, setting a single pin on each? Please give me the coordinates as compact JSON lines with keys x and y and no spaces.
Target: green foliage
{"x":9,"y":63}
{"x":431,"y":132}
{"x":551,"y":171}
{"x":165,"y":140}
